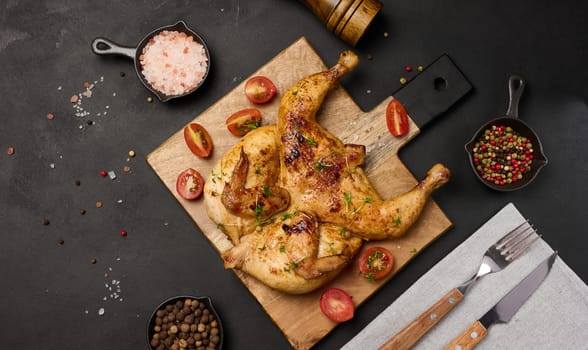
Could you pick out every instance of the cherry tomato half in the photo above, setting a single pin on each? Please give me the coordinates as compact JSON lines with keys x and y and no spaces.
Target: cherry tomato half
{"x":189,"y":184}
{"x":375,"y":263}
{"x":198,"y":140}
{"x":337,"y":305}
{"x":396,"y":118}
{"x":260,"y":89}
{"x":243,"y":121}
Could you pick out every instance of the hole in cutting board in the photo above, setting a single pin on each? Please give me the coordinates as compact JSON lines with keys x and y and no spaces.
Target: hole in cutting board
{"x":440,"y":83}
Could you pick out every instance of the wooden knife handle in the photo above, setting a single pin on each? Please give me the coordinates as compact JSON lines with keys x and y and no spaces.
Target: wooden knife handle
{"x":469,"y":338}
{"x":412,"y":333}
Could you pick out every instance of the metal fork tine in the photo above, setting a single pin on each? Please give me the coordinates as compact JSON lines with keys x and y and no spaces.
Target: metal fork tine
{"x":524,"y":248}
{"x":518,"y":238}
{"x":513,"y":233}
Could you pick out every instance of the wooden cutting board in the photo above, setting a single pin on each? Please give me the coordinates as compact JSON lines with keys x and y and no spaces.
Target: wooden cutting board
{"x":299,"y":317}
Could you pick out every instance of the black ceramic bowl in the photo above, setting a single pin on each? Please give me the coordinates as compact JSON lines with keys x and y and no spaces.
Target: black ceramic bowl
{"x":103,"y":46}
{"x":516,"y":87}
{"x":172,"y":301}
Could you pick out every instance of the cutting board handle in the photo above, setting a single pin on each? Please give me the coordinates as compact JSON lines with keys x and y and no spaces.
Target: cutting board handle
{"x":433,"y":91}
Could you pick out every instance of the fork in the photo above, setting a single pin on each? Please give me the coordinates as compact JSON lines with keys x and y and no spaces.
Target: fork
{"x":497,"y":257}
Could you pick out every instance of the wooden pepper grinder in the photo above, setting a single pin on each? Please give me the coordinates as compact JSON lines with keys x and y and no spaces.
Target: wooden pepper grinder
{"x":348,"y":19}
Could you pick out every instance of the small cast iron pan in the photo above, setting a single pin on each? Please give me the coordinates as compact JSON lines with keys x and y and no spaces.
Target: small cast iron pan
{"x":103,"y":46}
{"x":516,"y":85}
{"x":172,"y":301}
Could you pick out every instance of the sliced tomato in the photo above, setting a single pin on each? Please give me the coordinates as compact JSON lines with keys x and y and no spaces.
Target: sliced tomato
{"x":396,"y":118}
{"x":243,"y":121}
{"x":376,"y":263}
{"x":198,"y":140}
{"x":189,"y":184}
{"x":260,"y":89}
{"x":337,"y":305}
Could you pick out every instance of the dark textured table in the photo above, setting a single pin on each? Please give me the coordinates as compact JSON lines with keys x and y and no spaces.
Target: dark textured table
{"x":50,"y":225}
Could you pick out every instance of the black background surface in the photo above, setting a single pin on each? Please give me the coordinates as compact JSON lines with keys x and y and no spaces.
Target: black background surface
{"x":51,"y":293}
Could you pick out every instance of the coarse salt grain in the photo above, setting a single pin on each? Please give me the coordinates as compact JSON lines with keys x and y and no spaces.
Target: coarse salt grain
{"x":173,"y":63}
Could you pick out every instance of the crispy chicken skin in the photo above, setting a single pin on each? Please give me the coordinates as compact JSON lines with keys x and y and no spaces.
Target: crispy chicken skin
{"x":294,"y":199}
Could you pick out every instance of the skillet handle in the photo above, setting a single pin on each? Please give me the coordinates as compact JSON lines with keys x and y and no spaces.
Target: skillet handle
{"x":103,"y":46}
{"x":516,"y":85}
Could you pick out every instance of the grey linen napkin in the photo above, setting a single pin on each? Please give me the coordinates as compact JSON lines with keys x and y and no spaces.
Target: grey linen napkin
{"x":555,"y":317}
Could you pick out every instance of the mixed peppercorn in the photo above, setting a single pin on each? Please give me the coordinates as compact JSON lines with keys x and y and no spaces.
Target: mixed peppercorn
{"x":502,"y":156}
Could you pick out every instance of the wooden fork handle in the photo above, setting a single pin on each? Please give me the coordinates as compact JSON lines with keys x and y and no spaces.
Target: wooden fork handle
{"x":469,"y":338}
{"x":412,"y":333}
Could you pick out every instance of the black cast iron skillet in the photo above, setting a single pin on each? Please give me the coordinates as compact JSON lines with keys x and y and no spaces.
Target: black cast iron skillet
{"x":103,"y":46}
{"x":516,"y":85}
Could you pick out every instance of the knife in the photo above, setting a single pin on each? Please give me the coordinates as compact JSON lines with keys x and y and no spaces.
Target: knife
{"x":505,"y":309}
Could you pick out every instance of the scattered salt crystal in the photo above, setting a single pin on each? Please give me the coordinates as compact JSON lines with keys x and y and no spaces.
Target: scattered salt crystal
{"x":112,"y":174}
{"x":105,"y":298}
{"x":107,"y":107}
{"x":110,"y":269}
{"x":52,"y":165}
{"x":101,"y":311}
{"x":119,"y":201}
{"x":59,"y":88}
{"x":368,"y":91}
{"x":106,"y":285}
{"x":114,"y":94}
{"x":117,"y":258}
{"x":86,"y":312}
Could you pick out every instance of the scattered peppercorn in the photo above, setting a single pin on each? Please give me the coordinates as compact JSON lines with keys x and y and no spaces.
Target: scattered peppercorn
{"x":82,"y":211}
{"x":149,"y":99}
{"x":10,"y":151}
{"x":122,"y":74}
{"x":123,"y":233}
{"x":50,"y":116}
{"x":408,"y":68}
{"x":403,"y":80}
{"x":126,"y":168}
{"x":369,"y":56}
{"x":93,"y":261}
{"x":386,"y":34}
{"x":502,"y":156}
{"x":90,"y":122}
{"x":103,"y":173}
{"x":61,"y":241}
{"x":78,"y":183}
{"x":73,"y":99}
{"x":132,"y":153}
{"x":86,"y":84}
{"x":420,"y":68}
{"x":98,"y":204}
{"x":45,"y":222}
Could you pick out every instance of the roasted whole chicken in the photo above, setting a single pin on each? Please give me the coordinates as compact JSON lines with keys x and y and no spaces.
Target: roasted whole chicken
{"x":294,"y":199}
